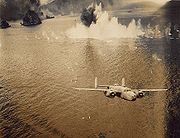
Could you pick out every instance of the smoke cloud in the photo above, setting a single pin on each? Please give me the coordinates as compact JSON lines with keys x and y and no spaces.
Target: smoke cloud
{"x":15,"y":9}
{"x":64,"y":7}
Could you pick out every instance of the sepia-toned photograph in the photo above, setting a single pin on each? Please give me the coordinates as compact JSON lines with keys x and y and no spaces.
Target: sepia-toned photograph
{"x":89,"y":68}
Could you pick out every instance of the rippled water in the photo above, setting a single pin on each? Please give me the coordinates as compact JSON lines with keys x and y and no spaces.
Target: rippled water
{"x":40,"y":65}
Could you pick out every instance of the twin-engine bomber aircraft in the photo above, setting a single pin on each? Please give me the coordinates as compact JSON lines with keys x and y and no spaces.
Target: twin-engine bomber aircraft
{"x":120,"y":91}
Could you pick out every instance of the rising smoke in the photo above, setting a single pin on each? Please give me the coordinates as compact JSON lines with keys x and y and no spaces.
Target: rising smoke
{"x":64,"y":7}
{"x":105,"y":28}
{"x":15,"y":9}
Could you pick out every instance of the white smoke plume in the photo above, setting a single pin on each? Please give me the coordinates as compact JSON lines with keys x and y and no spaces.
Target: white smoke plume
{"x":106,"y":28}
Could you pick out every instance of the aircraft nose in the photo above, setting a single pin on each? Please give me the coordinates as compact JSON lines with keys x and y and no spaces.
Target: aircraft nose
{"x":134,"y":99}
{"x":135,"y":96}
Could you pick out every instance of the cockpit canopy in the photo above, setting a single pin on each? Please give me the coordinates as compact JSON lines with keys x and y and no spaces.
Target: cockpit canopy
{"x":127,"y":90}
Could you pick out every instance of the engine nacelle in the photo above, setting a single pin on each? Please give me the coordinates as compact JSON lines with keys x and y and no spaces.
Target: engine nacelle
{"x":110,"y":94}
{"x":139,"y":94}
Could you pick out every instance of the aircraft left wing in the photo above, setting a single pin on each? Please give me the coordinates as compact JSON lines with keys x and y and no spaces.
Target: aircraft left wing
{"x":91,"y":89}
{"x":152,"y":90}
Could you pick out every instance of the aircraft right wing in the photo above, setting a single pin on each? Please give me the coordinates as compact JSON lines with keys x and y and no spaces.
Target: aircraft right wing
{"x":91,"y":89}
{"x":152,"y":90}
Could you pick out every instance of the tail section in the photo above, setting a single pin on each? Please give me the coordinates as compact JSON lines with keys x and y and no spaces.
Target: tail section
{"x":97,"y":85}
{"x":123,"y":82}
{"x":96,"y":82}
{"x":94,"y":3}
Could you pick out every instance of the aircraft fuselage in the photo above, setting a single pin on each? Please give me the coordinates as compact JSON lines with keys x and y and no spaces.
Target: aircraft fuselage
{"x":123,"y":92}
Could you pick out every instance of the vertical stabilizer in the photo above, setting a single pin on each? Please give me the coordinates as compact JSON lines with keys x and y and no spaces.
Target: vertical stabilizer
{"x":96,"y":82}
{"x":123,"y":82}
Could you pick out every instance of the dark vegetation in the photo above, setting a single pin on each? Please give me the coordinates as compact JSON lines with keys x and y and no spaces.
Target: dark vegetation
{"x":15,"y":9}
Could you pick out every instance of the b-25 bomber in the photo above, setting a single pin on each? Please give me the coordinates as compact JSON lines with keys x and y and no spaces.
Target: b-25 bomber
{"x":120,"y":91}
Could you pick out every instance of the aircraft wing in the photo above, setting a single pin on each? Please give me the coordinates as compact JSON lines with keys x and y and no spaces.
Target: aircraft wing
{"x":152,"y":90}
{"x":91,"y":89}
{"x":103,"y":85}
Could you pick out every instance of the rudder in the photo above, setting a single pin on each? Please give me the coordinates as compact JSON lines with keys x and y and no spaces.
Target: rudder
{"x":96,"y":82}
{"x":123,"y":82}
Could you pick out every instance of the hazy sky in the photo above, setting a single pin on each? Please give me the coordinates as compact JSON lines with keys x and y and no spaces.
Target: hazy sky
{"x":157,"y":1}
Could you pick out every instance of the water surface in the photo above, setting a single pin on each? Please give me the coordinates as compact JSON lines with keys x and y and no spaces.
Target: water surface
{"x":39,"y":66}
